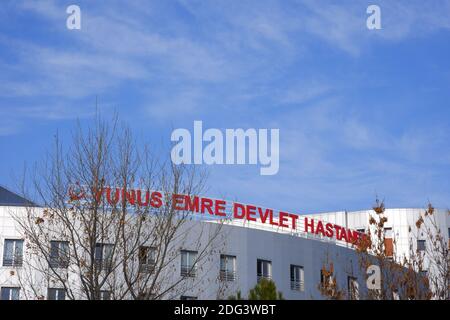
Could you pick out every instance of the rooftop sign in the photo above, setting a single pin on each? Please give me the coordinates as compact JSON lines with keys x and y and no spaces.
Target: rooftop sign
{"x":217,"y":208}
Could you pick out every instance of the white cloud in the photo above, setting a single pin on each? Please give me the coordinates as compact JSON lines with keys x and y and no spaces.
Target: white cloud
{"x":300,"y":93}
{"x":176,"y":103}
{"x":9,"y":126}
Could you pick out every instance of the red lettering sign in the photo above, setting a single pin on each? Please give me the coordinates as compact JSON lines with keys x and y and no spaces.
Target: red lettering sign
{"x":204,"y":205}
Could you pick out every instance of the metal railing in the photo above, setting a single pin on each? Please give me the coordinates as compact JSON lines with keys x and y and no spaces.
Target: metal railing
{"x":104,"y":264}
{"x":298,"y":232}
{"x":147,"y":267}
{"x":59,"y":262}
{"x":188,"y":271}
{"x":14,"y":261}
{"x":297,"y":285}
{"x":227,"y":275}
{"x":263,"y":276}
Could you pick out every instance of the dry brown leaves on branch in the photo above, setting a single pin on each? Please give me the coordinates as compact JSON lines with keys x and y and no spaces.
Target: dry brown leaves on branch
{"x":419,"y":222}
{"x":379,"y":206}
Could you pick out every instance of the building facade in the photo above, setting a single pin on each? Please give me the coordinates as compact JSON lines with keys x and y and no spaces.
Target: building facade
{"x":245,"y":252}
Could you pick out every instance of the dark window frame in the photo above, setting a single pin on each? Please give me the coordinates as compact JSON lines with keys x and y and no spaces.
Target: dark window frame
{"x":102,"y":261}
{"x":55,"y":294}
{"x":188,"y":270}
{"x":225,"y":274}
{"x":59,"y":258}
{"x":147,"y":263}
{"x":421,"y":245}
{"x":17,"y":258}
{"x":353,"y":291}
{"x":260,"y":273}
{"x":10,"y":290}
{"x":105,"y":295}
{"x":185,"y":298}
{"x":297,"y":284}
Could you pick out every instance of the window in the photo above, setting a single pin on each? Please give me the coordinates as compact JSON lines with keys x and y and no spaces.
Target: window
{"x":227,"y":268}
{"x":388,"y":242}
{"x":421,"y":245}
{"x":449,"y":238}
{"x":325,"y":279}
{"x":188,"y":259}
{"x":147,"y":258}
{"x":13,"y":253}
{"x":56,"y":294}
{"x":59,"y":254}
{"x":297,"y":278}
{"x":353,"y":288}
{"x":264,"y":269}
{"x":395,"y":295}
{"x":388,"y":233}
{"x":105,"y":295}
{"x":103,"y":256}
{"x":8,"y":293}
{"x":146,"y":296}
{"x":188,"y":298}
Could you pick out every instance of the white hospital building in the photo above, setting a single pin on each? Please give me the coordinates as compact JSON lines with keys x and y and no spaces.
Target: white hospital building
{"x":293,"y":259}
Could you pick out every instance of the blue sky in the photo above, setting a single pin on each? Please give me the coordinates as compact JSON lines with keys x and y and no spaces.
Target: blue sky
{"x":360,"y":112}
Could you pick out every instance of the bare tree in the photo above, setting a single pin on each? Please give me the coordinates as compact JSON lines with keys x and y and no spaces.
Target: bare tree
{"x":421,"y":274}
{"x":400,"y":276}
{"x":106,"y":226}
{"x":432,"y":257}
{"x":328,"y":286}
